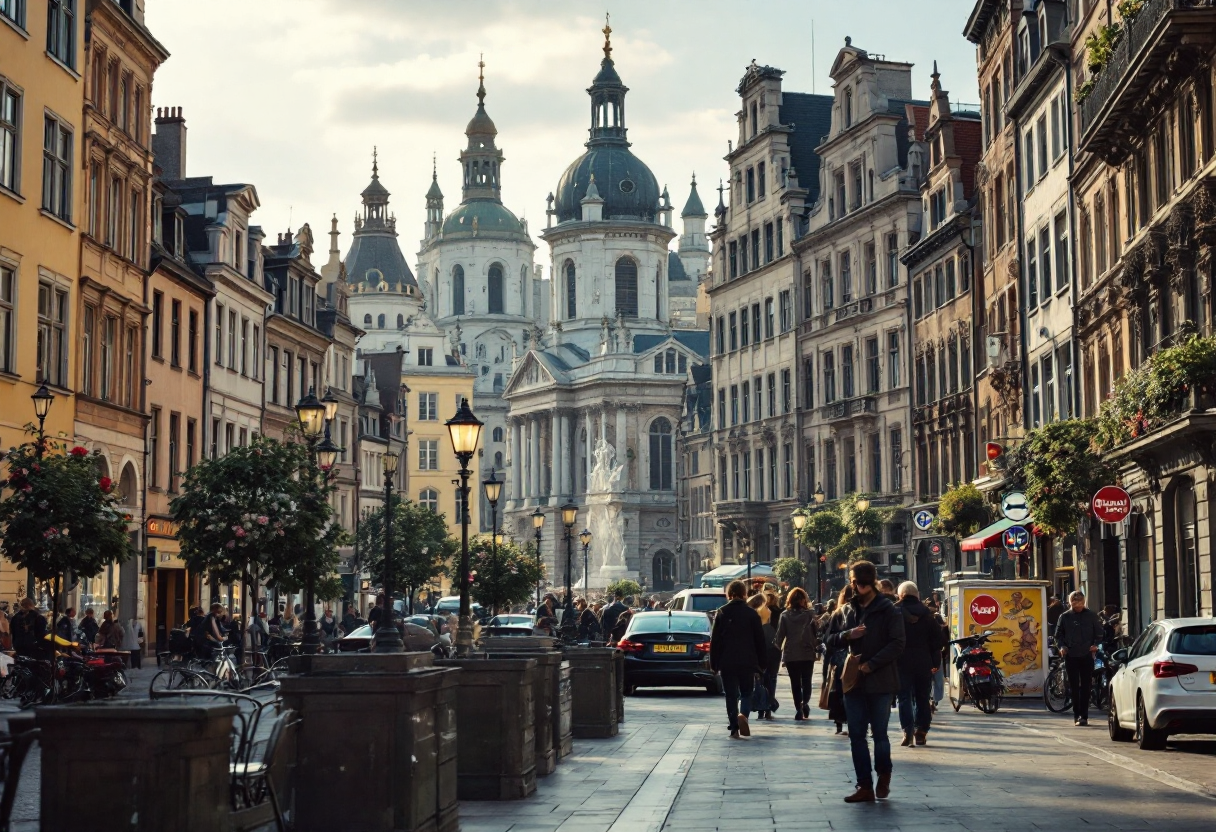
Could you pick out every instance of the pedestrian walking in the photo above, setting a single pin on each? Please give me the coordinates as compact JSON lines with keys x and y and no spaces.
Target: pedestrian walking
{"x":831,"y":695}
{"x":613,"y":611}
{"x":373,"y":615}
{"x":765,"y":699}
{"x":737,"y":653}
{"x":621,"y":625}
{"x":873,"y":633}
{"x":89,"y":626}
{"x":1054,"y":610}
{"x":939,"y":675}
{"x":588,"y":624}
{"x":66,"y":628}
{"x":1078,"y":634}
{"x":798,"y":639}
{"x":329,"y":627}
{"x":29,"y":627}
{"x":920,"y":660}
{"x":132,"y":642}
{"x":109,"y":634}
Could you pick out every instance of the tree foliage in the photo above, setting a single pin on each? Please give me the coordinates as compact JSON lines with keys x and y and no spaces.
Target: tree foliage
{"x":502,"y":578}
{"x":823,"y":530}
{"x":421,"y":545}
{"x":1060,"y":468}
{"x":962,"y":511}
{"x":59,"y":514}
{"x":626,"y":587}
{"x":790,"y":571}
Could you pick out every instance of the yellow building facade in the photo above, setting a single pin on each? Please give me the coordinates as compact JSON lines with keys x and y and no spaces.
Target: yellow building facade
{"x":41,"y":130}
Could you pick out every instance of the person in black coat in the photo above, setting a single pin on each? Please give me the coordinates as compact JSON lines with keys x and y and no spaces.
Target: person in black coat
{"x":737,"y":653}
{"x":920,"y":660}
{"x":612,"y":612}
{"x":872,"y":630}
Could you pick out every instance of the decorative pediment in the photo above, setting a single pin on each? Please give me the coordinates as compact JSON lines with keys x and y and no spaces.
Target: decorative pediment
{"x":530,"y":373}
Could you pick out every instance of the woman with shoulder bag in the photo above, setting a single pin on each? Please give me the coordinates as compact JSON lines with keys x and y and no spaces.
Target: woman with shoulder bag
{"x":798,"y":640}
{"x":833,"y":665}
{"x":767,"y":678}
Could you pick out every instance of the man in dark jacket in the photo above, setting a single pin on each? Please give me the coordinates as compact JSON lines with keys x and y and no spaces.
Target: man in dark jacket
{"x":737,"y":653}
{"x":1078,"y":634}
{"x":921,"y":657}
{"x":872,"y":630}
{"x":28,"y":627}
{"x":612,"y":612}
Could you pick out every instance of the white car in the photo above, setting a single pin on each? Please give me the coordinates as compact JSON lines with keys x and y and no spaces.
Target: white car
{"x":1165,"y":684}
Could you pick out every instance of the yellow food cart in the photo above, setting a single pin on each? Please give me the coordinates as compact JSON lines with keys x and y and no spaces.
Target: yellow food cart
{"x":1016,"y":613}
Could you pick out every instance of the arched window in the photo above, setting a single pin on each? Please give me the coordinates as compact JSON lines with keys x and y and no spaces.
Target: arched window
{"x":400,"y":321}
{"x":660,"y":455}
{"x":497,"y":434}
{"x":627,"y":287}
{"x":498,"y":459}
{"x":429,"y":498}
{"x":380,"y":321}
{"x":658,"y":293}
{"x":571,"y":291}
{"x":458,"y":290}
{"x":367,"y":320}
{"x":495,"y":290}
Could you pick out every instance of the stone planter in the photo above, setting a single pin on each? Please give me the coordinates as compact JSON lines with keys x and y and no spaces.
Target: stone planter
{"x":375,"y":739}
{"x":596,"y":692}
{"x":495,"y":715}
{"x":162,"y":766}
{"x":551,"y":701}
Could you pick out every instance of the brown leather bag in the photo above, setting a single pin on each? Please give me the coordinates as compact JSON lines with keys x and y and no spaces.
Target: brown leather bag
{"x":851,"y":673}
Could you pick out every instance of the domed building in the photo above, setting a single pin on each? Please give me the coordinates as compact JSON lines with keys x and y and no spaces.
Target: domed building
{"x":605,"y":386}
{"x":480,"y":282}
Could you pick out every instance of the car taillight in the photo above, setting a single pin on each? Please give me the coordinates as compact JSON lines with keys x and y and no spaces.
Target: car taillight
{"x":703,"y":647}
{"x":1168,"y":670}
{"x":629,"y":646}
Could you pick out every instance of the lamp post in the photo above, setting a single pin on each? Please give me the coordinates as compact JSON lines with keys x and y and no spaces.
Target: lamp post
{"x":388,"y":637}
{"x":863,"y":504}
{"x":464,"y":429}
{"x":538,"y":520}
{"x":585,"y":538}
{"x":569,"y":629}
{"x":43,"y":399}
{"x":493,"y":489}
{"x":311,"y":414}
{"x":798,"y":520}
{"x":819,"y":495}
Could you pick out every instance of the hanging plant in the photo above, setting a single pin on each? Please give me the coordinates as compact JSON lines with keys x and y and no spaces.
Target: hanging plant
{"x":962,"y":511}
{"x":1129,"y":9}
{"x":1061,"y":468}
{"x":1100,"y":46}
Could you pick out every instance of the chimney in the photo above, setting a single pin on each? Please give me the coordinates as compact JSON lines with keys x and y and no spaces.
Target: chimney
{"x":169,"y":143}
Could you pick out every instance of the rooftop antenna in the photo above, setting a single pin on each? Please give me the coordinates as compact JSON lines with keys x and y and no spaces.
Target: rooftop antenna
{"x":812,"y":56}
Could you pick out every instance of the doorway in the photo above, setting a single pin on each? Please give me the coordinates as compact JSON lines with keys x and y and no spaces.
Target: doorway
{"x":663,"y":577}
{"x":170,"y":604}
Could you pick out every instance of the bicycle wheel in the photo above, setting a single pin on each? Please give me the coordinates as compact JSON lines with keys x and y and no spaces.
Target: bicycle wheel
{"x":1055,"y":690}
{"x":8,"y":688}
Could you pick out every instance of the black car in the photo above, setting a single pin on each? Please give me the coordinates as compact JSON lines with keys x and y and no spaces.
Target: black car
{"x":668,"y":649}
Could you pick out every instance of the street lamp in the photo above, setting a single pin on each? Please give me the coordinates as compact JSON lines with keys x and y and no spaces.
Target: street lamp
{"x":569,"y":630}
{"x":331,"y":405}
{"x":584,"y":537}
{"x":327,"y":452}
{"x":311,"y":414}
{"x":388,"y":638}
{"x":464,"y":429}
{"x":819,"y":495}
{"x":799,"y":521}
{"x":863,"y":503}
{"x":493,"y":489}
{"x":538,"y":520}
{"x":43,"y":399}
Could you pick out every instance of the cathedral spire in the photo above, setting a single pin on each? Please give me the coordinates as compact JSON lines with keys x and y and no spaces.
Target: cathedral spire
{"x":607,"y":99}
{"x":481,"y":80}
{"x":481,"y":158}
{"x":607,"y":30}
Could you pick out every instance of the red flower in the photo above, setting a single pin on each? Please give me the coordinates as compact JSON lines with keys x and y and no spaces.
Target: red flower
{"x":79,"y":451}
{"x":106,"y":483}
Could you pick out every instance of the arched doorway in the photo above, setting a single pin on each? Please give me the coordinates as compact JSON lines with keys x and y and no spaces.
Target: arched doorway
{"x":663,"y":571}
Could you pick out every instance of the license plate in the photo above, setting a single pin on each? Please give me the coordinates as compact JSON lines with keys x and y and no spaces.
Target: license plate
{"x":670,"y":648}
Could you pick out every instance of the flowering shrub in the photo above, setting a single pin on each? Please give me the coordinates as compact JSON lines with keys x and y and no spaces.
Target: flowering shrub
{"x":508,"y":577}
{"x":58,"y":514}
{"x":962,"y":511}
{"x":1060,"y":468}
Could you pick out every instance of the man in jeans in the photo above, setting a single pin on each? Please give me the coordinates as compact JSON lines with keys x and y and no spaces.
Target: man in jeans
{"x":1078,"y":634}
{"x":738,"y":652}
{"x":872,"y":630}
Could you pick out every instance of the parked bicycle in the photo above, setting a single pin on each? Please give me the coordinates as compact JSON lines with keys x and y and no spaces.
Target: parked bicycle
{"x":1057,"y":695}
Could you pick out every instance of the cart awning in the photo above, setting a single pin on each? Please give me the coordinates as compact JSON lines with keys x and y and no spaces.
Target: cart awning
{"x":990,"y":537}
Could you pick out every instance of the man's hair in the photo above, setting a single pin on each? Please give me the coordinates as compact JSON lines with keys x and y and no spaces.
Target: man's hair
{"x":864,"y":573}
{"x":736,"y":589}
{"x":619,"y":595}
{"x":910,"y":589}
{"x":886,"y":586}
{"x":216,"y":606}
{"x":1076,"y":595}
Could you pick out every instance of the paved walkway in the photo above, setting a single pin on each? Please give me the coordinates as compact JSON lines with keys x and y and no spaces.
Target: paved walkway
{"x":674,"y":768}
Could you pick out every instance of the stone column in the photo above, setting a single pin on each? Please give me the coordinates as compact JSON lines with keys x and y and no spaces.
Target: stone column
{"x":517,"y":463}
{"x":567,"y":472}
{"x":622,"y":446}
{"x":555,"y":459}
{"x":534,"y":459}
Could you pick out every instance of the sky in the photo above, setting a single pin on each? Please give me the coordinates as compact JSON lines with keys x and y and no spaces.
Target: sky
{"x":292,"y":95}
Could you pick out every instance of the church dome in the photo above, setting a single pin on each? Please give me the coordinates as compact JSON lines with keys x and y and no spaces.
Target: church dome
{"x":376,"y":258}
{"x":484,"y":218}
{"x":628,"y":188}
{"x":481,"y":124}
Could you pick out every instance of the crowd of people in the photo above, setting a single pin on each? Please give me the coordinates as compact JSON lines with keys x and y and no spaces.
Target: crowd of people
{"x":25,"y":631}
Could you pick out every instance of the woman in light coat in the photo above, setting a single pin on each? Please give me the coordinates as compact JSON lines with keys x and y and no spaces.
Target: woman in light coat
{"x":797,"y":636}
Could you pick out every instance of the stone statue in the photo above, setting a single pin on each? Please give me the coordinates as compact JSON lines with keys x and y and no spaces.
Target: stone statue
{"x":624,"y":343}
{"x":604,"y":517}
{"x":606,"y":474}
{"x":605,"y":336}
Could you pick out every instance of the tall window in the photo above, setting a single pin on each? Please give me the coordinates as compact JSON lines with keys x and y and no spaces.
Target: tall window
{"x":769,"y":321}
{"x":787,"y":319}
{"x":572,"y":295}
{"x":133,"y":226}
{"x":747,"y":400}
{"x":873,"y":366}
{"x":8,"y":283}
{"x":426,"y":356}
{"x":846,"y":371}
{"x":744,"y":328}
{"x":734,"y":331}
{"x":461,"y":508}
{"x":232,"y":355}
{"x":846,"y":277}
{"x":892,"y":260}
{"x":192,"y":342}
{"x":1061,"y":231}
{"x":787,"y":403}
{"x":109,"y":332}
{"x":255,"y":365}
{"x":952,"y":363}
{"x":10,"y":131}
{"x":61,"y":30}
{"x":495,"y":290}
{"x":429,"y":498}
{"x":88,"y":336}
{"x":627,"y":287}
{"x":660,"y":455}
{"x":175,"y":334}
{"x":244,"y":345}
{"x":219,"y":334}
{"x":428,"y":407}
{"x":52,"y":334}
{"x":787,"y":471}
{"x":191,"y":431}
{"x":428,"y":455}
{"x":174,"y":439}
{"x":14,"y":10}
{"x":772,"y":395}
{"x":871,"y":265}
{"x":829,"y":468}
{"x":154,"y":448}
{"x":829,"y":377}
{"x":893,"y":360}
{"x":128,"y":367}
{"x":457,"y":291}
{"x":57,"y":167}
{"x":158,"y":322}
{"x":876,"y":463}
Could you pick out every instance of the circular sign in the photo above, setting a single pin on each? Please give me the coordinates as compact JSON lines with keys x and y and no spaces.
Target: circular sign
{"x":1112,"y":504}
{"x":1015,"y":507}
{"x":923,"y":520}
{"x":984,"y":610}
{"x":1016,"y":539}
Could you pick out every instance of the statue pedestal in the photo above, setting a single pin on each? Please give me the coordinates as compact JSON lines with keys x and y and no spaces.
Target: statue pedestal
{"x":602,"y":577}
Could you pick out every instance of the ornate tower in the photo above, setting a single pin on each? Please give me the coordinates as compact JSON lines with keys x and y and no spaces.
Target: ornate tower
{"x":694,"y":247}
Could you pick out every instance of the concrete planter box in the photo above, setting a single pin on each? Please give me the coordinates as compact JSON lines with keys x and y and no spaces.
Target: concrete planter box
{"x":597,"y":696}
{"x":375,"y":744}
{"x":551,"y":700}
{"x":495,"y":718}
{"x":142,"y":766}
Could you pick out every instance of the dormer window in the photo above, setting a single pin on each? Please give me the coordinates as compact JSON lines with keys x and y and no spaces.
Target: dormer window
{"x":848,"y":109}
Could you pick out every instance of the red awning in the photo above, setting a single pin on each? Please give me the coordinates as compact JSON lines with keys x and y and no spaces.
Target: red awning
{"x":990,"y":536}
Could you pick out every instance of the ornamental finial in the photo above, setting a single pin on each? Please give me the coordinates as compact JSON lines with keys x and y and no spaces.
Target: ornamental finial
{"x":607,"y":30}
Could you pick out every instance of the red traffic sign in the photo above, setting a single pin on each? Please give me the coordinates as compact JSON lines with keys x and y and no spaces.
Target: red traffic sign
{"x":984,"y":610}
{"x":1112,"y":504}
{"x":993,"y":450}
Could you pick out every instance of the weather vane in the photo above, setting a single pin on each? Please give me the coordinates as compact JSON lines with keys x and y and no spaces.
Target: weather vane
{"x":607,"y":37}
{"x":481,"y":79}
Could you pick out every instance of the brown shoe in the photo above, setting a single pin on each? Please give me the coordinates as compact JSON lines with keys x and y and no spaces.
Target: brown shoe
{"x":734,"y":735}
{"x":864,"y":794}
{"x":884,"y":785}
{"x":921,"y":737}
{"x":744,"y":729}
{"x":907,"y":740}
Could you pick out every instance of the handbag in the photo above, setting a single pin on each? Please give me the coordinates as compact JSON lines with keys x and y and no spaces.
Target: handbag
{"x":851,"y":673}
{"x":825,"y":690}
